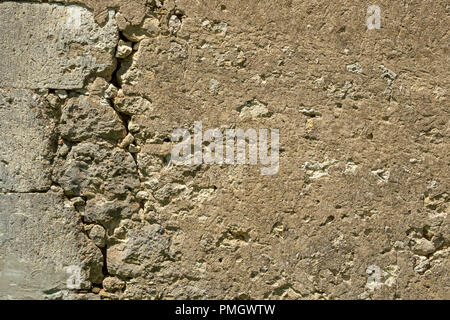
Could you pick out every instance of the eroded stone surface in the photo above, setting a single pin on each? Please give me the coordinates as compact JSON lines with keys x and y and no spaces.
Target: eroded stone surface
{"x":53,"y":46}
{"x":105,"y":175}
{"x":359,"y":207}
{"x":328,"y":221}
{"x":42,"y":246}
{"x":86,"y":117}
{"x":27,"y":135}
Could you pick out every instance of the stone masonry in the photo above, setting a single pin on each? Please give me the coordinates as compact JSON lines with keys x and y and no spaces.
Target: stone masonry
{"x":93,"y":207}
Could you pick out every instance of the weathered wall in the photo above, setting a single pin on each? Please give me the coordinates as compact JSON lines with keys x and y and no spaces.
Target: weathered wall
{"x":91,"y":205}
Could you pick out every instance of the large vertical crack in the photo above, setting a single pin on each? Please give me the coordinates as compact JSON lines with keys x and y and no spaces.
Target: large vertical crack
{"x":126,"y":118}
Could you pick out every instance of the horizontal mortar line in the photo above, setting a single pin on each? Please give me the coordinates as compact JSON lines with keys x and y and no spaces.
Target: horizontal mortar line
{"x":24,"y":192}
{"x":66,"y":89}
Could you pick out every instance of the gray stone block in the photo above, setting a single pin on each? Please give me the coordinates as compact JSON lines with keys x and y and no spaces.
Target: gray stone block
{"x":43,"y":251}
{"x":53,"y":46}
{"x":27,"y":138}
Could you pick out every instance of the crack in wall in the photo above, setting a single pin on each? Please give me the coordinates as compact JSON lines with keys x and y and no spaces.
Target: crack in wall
{"x":126,"y":118}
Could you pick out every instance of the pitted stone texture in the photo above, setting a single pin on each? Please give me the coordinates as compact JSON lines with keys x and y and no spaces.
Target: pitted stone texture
{"x":27,"y":139}
{"x":312,"y":230}
{"x":132,"y":105}
{"x":105,"y":175}
{"x":41,"y":247}
{"x":53,"y":46}
{"x":146,"y":248}
{"x":87,"y":117}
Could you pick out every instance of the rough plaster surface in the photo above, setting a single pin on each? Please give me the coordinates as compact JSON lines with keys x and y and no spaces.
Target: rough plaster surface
{"x":91,"y":92}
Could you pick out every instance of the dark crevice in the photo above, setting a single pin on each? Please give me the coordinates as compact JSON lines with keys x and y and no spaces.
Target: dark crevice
{"x":24,"y":192}
{"x":125,"y":118}
{"x":105,"y":265}
{"x":114,"y":76}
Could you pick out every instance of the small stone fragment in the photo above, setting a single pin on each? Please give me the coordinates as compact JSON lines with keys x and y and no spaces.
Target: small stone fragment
{"x":350,"y":167}
{"x":213,"y":85}
{"x":136,"y":33}
{"x":174,"y":24}
{"x":310,"y":112}
{"x":142,"y":195}
{"x":62,"y":94}
{"x":253,"y":109}
{"x":423,"y":247}
{"x":382,"y":175}
{"x":387,"y":74}
{"x":399,"y":245}
{"x":98,"y":235}
{"x":423,"y":265}
{"x":316,"y":169}
{"x":133,"y":127}
{"x":133,"y":148}
{"x":113,"y":284}
{"x":220,"y":28}
{"x":129,"y":139}
{"x":96,"y":290}
{"x":111,"y":92}
{"x":124,"y":49}
{"x":354,"y":68}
